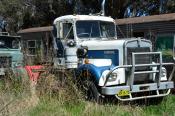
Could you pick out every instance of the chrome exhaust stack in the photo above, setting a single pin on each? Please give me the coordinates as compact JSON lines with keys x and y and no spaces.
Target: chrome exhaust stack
{"x":103,"y":8}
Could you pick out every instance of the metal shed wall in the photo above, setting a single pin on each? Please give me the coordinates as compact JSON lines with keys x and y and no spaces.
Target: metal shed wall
{"x":163,"y":27}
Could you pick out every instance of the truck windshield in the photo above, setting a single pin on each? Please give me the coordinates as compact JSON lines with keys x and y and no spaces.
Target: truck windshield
{"x":9,"y":42}
{"x":95,"y":29}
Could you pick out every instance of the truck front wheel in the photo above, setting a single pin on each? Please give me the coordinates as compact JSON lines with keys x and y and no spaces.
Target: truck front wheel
{"x":90,"y":91}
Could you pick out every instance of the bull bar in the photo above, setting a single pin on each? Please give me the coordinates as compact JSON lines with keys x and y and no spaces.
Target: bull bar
{"x":157,"y":85}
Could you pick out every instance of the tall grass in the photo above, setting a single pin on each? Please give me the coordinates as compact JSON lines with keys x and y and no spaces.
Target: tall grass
{"x":63,"y":98}
{"x":84,"y":108}
{"x":58,"y":95}
{"x":13,"y":90}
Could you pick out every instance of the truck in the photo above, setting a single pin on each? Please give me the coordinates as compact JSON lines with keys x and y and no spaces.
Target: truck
{"x":105,"y":66}
{"x":11,"y":57}
{"x":102,"y":65}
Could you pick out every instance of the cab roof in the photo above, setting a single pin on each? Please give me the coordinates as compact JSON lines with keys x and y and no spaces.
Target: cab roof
{"x":83,"y":17}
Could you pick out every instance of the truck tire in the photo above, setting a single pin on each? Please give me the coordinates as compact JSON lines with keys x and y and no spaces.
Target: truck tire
{"x":91,"y":92}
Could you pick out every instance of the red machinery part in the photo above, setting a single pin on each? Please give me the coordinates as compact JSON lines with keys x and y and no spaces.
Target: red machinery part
{"x":34,"y":75}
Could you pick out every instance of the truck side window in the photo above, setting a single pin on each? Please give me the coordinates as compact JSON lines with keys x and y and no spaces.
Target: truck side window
{"x":68,"y":31}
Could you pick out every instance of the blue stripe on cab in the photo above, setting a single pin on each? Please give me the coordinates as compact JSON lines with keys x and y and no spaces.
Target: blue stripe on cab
{"x":105,"y":54}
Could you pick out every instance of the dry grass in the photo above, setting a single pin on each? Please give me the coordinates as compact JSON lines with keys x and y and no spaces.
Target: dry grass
{"x":60,"y":87}
{"x":58,"y":95}
{"x":16,"y":95}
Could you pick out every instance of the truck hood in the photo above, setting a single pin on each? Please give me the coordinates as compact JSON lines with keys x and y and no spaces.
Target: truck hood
{"x":15,"y":54}
{"x":105,"y":50}
{"x":103,"y":45}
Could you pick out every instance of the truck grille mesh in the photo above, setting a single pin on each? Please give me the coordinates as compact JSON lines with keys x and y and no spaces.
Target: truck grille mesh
{"x":5,"y":62}
{"x":140,"y":59}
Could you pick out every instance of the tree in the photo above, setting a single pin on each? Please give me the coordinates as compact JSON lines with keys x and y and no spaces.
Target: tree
{"x":31,"y":13}
{"x":11,"y":10}
{"x":87,"y":6}
{"x":114,"y":8}
{"x":47,"y":10}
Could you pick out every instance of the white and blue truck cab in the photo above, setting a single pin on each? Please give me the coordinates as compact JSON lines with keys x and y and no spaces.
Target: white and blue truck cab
{"x":110,"y":67}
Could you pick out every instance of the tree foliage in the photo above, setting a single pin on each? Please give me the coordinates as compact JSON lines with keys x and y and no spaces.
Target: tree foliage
{"x":11,"y":11}
{"x":31,"y":13}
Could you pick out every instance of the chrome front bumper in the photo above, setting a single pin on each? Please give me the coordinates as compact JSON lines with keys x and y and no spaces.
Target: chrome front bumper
{"x":132,"y":88}
{"x":139,"y":88}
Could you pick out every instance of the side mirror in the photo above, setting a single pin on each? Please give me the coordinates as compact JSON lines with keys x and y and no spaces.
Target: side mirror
{"x":71,"y":43}
{"x":82,"y":52}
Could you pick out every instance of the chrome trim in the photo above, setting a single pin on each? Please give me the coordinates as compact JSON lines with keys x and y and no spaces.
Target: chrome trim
{"x":132,"y":40}
{"x":156,"y":86}
{"x":131,"y":77}
{"x":103,"y":8}
{"x":144,"y":97}
{"x":137,"y":88}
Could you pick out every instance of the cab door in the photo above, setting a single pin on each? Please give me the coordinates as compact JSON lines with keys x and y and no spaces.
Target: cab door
{"x":66,"y":44}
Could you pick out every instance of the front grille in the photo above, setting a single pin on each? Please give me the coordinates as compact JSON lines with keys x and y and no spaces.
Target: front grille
{"x":5,"y":62}
{"x":140,"y":59}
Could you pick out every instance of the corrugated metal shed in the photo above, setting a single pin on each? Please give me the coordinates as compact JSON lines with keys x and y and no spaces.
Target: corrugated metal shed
{"x":146,"y":19}
{"x":157,"y":24}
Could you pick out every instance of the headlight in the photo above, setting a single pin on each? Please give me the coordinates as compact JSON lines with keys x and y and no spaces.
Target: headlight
{"x":112,"y":77}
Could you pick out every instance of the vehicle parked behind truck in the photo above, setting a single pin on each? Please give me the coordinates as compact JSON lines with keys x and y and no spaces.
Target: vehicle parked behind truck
{"x":11,"y":57}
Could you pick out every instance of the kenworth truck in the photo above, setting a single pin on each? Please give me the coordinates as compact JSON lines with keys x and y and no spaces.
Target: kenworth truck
{"x":127,"y":69}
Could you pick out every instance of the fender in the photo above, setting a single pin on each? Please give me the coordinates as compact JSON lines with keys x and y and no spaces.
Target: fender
{"x":94,"y":70}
